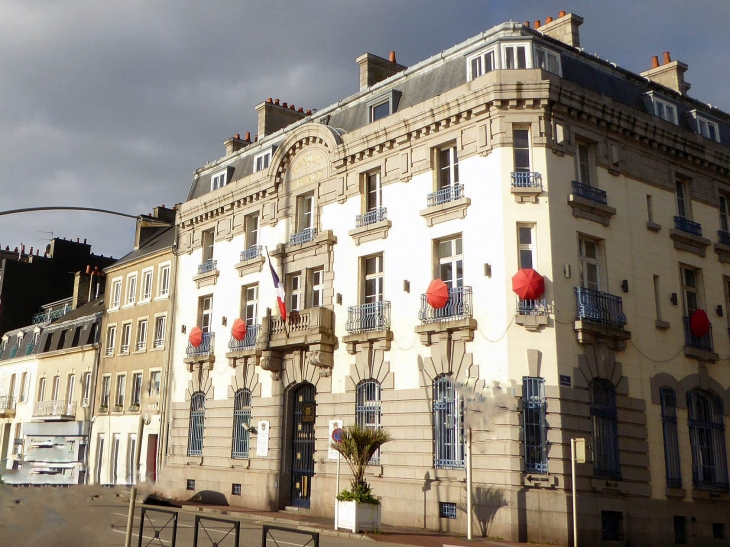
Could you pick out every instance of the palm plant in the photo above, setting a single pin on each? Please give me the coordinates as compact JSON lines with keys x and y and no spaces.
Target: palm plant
{"x":357,"y":445}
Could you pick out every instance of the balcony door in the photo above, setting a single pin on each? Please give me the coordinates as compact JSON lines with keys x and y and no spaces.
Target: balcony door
{"x":590,"y":271}
{"x":451,"y":267}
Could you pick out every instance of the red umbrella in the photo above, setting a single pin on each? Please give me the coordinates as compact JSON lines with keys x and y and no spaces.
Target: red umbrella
{"x":196,"y":337}
{"x":437,"y":293}
{"x":528,"y":284}
{"x":238,"y":331}
{"x":699,"y":323}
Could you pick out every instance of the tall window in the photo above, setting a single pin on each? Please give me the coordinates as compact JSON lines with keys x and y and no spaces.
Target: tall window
{"x":131,"y":289}
{"x":671,"y":439}
{"x":374,"y":191}
{"x":448,"y":425}
{"x":534,"y":424}
{"x":41,"y":390}
{"x":116,"y":293}
{"x":154,"y":388}
{"x":448,"y":167}
{"x":86,"y":387}
{"x":142,"y":335}
{"x":23,"y":387}
{"x":605,"y":430}
{"x":120,"y":391}
{"x":316,"y":277}
{"x":295,"y":291}
{"x":106,"y":383}
{"x":707,"y":439}
{"x":208,"y":240}
{"x":514,"y":57}
{"x":206,"y":313}
{"x":521,"y":150}
{"x":70,"y":387}
{"x":682,"y":197}
{"x":131,"y":474}
{"x":147,"y":285}
{"x":126,"y":336}
{"x":241,"y":423}
{"x":526,"y":245}
{"x":250,"y":297}
{"x":136,"y":388}
{"x":690,"y":289}
{"x":164,"y":287}
{"x":373,"y":279}
{"x":367,"y":408}
{"x":114,"y":465}
{"x":583,"y":160}
{"x":305,"y":212}
{"x":724,"y":214}
{"x":55,"y":388}
{"x":159,"y":332}
{"x":252,"y":230}
{"x":590,"y":274}
{"x":197,"y":424}
{"x":451,"y":267}
{"x":99,"y":459}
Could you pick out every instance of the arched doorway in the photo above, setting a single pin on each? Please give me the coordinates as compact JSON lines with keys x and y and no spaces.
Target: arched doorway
{"x":302,"y":445}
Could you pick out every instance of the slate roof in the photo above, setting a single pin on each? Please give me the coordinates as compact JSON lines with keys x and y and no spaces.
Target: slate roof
{"x":160,"y":242}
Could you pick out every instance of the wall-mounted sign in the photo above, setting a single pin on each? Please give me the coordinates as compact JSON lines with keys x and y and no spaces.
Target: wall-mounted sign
{"x":308,"y":413}
{"x":565,"y":380}
{"x":308,"y":167}
{"x":262,"y":440}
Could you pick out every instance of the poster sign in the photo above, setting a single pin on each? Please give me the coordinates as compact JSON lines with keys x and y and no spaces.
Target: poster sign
{"x":308,"y":413}
{"x":262,"y":444}
{"x":334,"y":426}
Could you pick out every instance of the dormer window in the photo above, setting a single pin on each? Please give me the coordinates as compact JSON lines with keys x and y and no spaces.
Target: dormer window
{"x":547,"y":60}
{"x":514,"y":56}
{"x":481,"y":64}
{"x":261,"y":161}
{"x":665,"y":110}
{"x":708,"y":129}
{"x":218,"y":180}
{"x":383,"y":105}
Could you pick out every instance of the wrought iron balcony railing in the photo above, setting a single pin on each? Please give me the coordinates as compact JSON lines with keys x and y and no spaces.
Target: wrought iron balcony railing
{"x":370,"y":317}
{"x":445,"y":195}
{"x":723,"y":237}
{"x":7,"y":402}
{"x":699,"y":342}
{"x":371,"y":217}
{"x":532,"y":307}
{"x":158,"y":343}
{"x":50,"y":409}
{"x":457,"y":307}
{"x":686,"y":225}
{"x":124,"y":348}
{"x":50,"y":315}
{"x":254,"y":251}
{"x":205,"y":347}
{"x":141,"y":346}
{"x":248,"y":342}
{"x":526,"y":179}
{"x":589,"y":192}
{"x":207,"y":266}
{"x":305,"y":236}
{"x":600,"y":307}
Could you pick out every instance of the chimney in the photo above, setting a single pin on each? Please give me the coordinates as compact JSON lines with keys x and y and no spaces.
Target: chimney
{"x":234,"y":144}
{"x":274,"y":116}
{"x":82,"y":283}
{"x":164,"y":214}
{"x":669,"y":74}
{"x":374,"y":69}
{"x":564,"y":28}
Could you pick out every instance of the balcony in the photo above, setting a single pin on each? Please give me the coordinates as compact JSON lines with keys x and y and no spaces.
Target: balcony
{"x":252,"y":261}
{"x":590,"y":203}
{"x":371,"y":225}
{"x":207,"y":266}
{"x":445,"y":204}
{"x":54,"y":410}
{"x":305,"y":236}
{"x":600,"y":314}
{"x":698,"y":347}
{"x":7,"y":406}
{"x":252,"y":252}
{"x":311,"y":329}
{"x":526,"y":186}
{"x":687,"y":236}
{"x":457,"y":307}
{"x":249,"y":341}
{"x":722,"y":247}
{"x":207,"y":273}
{"x":532,"y":314}
{"x":205,"y":349}
{"x":371,"y":317}
{"x":50,"y":315}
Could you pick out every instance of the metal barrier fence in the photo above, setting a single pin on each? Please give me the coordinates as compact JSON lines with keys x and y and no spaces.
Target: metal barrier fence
{"x":269,"y":539}
{"x":161,"y":534}
{"x":204,"y":539}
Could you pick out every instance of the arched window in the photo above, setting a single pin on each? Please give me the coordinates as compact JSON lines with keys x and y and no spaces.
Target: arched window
{"x":605,"y":431}
{"x":241,"y":423}
{"x":671,"y":440}
{"x":448,"y":425}
{"x":707,"y":439}
{"x":367,"y":408}
{"x":197,"y":424}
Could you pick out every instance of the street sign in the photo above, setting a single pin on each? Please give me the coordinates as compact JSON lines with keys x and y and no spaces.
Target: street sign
{"x":337,"y":435}
{"x":335,"y":425}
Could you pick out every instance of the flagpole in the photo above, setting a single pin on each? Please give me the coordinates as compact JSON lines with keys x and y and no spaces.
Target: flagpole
{"x":286,"y":330}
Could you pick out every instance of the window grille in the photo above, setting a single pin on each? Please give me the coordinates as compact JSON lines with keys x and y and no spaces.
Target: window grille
{"x":197,"y":424}
{"x":448,"y":425}
{"x":447,"y":510}
{"x":534,"y":424}
{"x":241,"y":423}
{"x":367,"y":409}
{"x":707,"y":439}
{"x":605,"y":433}
{"x":190,"y":485}
{"x":612,"y":525}
{"x":236,"y":490}
{"x":671,"y":439}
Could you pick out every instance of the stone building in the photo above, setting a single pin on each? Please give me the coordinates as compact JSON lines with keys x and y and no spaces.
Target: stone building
{"x":514,"y":150}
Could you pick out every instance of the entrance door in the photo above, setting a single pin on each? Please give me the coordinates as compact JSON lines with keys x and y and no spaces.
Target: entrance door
{"x":151,"y":468}
{"x":302,"y":465}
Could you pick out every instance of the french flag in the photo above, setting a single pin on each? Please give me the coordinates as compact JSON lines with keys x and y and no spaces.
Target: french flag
{"x":280,"y":294}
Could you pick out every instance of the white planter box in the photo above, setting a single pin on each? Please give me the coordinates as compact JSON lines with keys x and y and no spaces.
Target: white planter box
{"x":358,"y":517}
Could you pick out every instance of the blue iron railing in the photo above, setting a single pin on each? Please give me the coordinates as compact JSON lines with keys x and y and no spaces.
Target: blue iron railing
{"x":699,"y":342}
{"x":370,"y":317}
{"x":457,"y":307}
{"x":305,"y":236}
{"x":526,"y":179}
{"x":724,"y":237}
{"x":205,"y":347}
{"x":371,"y":217}
{"x":254,"y":251}
{"x":50,"y":315}
{"x":686,"y":225}
{"x":532,"y":307}
{"x":589,"y":192}
{"x":207,"y":266}
{"x":445,"y":195}
{"x":600,"y":307}
{"x":248,"y":342}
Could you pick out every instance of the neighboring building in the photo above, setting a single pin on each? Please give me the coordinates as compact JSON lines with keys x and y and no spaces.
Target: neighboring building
{"x":134,"y":358}
{"x":27,"y":281}
{"x":514,"y":149}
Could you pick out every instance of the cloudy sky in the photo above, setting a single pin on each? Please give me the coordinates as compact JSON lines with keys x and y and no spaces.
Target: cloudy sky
{"x":115,"y":104}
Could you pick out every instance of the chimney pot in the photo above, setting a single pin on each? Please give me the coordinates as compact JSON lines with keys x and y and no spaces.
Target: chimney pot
{"x":255,"y":138}
{"x":269,"y":100}
{"x":292,"y":107}
{"x":667,"y":58}
{"x":237,"y":136}
{"x":392,"y":57}
{"x":285,"y":105}
{"x":527,"y":24}
{"x":276,"y":101}
{"x":309,"y":112}
{"x":654,"y":61}
{"x":85,"y":238}
{"x":248,"y":136}
{"x":537,"y":23}
{"x":548,"y":20}
{"x":561,"y":14}
{"x":301,"y":110}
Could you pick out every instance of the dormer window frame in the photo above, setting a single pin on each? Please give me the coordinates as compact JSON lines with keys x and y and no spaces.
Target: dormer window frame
{"x":549,"y":54}
{"x":262,"y":160}
{"x":390,"y":98}
{"x":661,"y":106}
{"x":504,"y":63}
{"x":699,"y":118}
{"x":480,"y":61}
{"x":221,"y":178}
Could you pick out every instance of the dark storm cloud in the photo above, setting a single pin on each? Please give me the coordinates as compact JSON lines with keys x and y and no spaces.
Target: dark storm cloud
{"x":115,"y":104}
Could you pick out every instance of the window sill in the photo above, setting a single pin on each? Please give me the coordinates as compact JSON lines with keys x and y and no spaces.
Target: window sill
{"x":526,"y":194}
{"x":253,"y":265}
{"x":699,"y":494}
{"x":684,"y":241}
{"x":701,"y":354}
{"x":653,"y":226}
{"x":129,"y":305}
{"x":531,"y":322}
{"x":429,"y":331}
{"x":661,"y":325}
{"x":444,"y":212}
{"x":676,"y":493}
{"x":723,"y":252}
{"x":377,"y":230}
{"x":591,"y":210}
{"x":207,"y":278}
{"x":163,"y":297}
